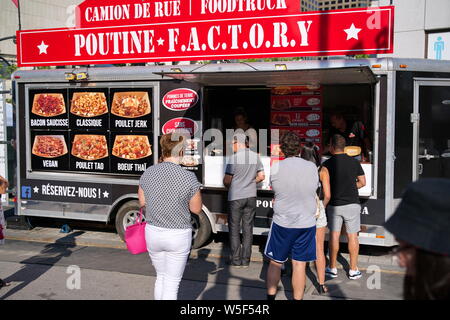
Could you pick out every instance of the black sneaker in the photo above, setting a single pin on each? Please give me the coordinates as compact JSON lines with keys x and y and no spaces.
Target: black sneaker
{"x":234,"y":265}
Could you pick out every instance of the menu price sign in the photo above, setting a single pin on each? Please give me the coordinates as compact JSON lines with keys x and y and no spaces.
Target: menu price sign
{"x":50,"y":150}
{"x":89,"y":108}
{"x":297,"y":109}
{"x":297,"y":103}
{"x":191,"y":159}
{"x":48,"y":109}
{"x":297,"y":119}
{"x":131,"y":153}
{"x":89,"y":152}
{"x":131,"y":109}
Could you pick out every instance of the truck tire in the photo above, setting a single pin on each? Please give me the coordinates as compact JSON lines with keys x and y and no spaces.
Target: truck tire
{"x":126,"y":215}
{"x":201,"y":230}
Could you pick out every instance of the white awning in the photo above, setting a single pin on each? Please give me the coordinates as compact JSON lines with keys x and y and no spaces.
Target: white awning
{"x":329,"y":76}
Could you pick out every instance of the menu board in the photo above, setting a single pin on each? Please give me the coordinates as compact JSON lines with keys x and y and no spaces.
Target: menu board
{"x":297,"y":109}
{"x":92,"y":130}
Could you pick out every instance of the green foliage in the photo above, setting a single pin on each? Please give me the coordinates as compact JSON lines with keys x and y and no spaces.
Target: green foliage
{"x":7,"y":71}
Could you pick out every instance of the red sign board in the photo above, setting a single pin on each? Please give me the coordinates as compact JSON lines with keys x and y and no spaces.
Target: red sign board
{"x":180,"y":125}
{"x":337,"y":32}
{"x":180,"y":99}
{"x":102,"y":13}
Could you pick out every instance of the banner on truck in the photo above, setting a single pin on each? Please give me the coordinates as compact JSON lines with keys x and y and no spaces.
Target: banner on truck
{"x":214,"y":36}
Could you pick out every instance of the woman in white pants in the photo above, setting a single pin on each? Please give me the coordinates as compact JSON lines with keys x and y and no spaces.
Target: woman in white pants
{"x":169,"y":194}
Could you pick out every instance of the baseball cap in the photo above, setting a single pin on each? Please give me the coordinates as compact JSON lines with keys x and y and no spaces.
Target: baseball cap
{"x":423,"y":216}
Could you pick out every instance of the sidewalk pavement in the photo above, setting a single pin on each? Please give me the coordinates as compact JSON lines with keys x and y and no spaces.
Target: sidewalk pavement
{"x":112,"y":240}
{"x":37,"y":265}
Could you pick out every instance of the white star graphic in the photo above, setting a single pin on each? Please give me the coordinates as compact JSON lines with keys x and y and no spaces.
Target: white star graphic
{"x":42,"y":48}
{"x":36,"y":190}
{"x":160,"y":42}
{"x":352,"y":32}
{"x":105,"y":194}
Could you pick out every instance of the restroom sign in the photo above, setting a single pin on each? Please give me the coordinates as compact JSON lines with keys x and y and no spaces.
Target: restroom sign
{"x":439,"y":46}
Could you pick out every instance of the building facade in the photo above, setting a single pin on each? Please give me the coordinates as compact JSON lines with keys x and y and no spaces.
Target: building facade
{"x":322,"y":5}
{"x":35,"y":14}
{"x":422,"y":28}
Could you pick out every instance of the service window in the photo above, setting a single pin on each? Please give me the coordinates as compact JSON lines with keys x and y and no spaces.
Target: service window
{"x":314,"y":103}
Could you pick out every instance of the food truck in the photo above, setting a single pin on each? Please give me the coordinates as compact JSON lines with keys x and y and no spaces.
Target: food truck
{"x":82,"y":145}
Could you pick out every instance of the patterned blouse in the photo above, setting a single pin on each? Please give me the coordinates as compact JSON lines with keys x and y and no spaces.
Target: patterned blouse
{"x":167,"y":189}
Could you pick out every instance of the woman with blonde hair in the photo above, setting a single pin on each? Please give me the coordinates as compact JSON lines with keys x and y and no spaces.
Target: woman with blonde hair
{"x":169,"y":194}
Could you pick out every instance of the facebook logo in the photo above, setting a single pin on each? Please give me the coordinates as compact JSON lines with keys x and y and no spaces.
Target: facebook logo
{"x":26,"y":192}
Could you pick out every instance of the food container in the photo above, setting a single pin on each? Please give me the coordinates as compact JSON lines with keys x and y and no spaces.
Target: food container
{"x":88,"y":104}
{"x":131,"y":142}
{"x":58,"y":137}
{"x":128,"y":104}
{"x":36,"y":109}
{"x":94,"y":139}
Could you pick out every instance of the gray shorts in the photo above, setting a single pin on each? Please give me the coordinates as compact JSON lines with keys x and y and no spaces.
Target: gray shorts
{"x":350,"y":214}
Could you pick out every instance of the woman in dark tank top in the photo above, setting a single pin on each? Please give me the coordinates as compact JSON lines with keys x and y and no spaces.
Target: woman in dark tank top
{"x":310,"y":152}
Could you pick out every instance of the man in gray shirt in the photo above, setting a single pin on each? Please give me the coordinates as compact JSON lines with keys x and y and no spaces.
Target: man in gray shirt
{"x":293,"y":230}
{"x":242,"y":173}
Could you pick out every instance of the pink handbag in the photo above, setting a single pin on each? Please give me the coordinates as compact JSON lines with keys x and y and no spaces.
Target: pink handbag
{"x":135,"y":236}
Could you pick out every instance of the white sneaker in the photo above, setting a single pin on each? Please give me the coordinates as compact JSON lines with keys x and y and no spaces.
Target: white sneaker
{"x":331,"y":272}
{"x":354,"y":274}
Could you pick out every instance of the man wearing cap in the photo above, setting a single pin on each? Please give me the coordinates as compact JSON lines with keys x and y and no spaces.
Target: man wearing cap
{"x":421,"y":225}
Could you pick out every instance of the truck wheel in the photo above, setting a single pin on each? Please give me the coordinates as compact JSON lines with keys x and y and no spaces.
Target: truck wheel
{"x":126,"y":216}
{"x":201,"y":230}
